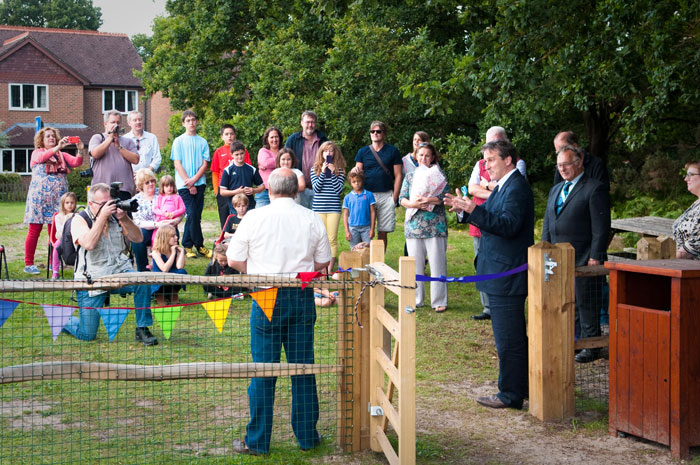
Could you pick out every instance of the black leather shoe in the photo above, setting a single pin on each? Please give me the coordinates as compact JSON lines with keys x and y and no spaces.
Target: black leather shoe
{"x":482,"y":316}
{"x":144,"y":336}
{"x":491,"y":402}
{"x":587,"y":356}
{"x":239,"y":447}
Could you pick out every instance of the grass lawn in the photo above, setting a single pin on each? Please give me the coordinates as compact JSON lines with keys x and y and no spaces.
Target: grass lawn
{"x":455,"y":356}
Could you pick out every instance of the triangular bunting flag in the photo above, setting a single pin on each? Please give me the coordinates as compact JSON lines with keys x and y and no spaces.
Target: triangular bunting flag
{"x":266,"y":300}
{"x":306,"y":277}
{"x":113,"y":318}
{"x":6,"y":309}
{"x":58,"y":316}
{"x":217,"y":310}
{"x":166,"y":317}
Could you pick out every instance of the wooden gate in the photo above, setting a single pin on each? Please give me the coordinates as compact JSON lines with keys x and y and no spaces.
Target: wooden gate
{"x":399,"y":365}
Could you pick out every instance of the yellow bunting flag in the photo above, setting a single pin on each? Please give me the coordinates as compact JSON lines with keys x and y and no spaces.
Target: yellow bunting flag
{"x":218,"y":310}
{"x":266,"y":299}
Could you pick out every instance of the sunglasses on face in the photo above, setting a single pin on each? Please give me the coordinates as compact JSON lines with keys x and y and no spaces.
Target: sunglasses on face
{"x":375,"y":131}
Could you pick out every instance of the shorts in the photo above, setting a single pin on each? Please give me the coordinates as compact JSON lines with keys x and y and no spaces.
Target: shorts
{"x":386,"y":211}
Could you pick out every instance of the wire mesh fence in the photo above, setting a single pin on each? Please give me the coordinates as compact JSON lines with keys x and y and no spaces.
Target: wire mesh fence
{"x":114,"y":399}
{"x":592,"y":323}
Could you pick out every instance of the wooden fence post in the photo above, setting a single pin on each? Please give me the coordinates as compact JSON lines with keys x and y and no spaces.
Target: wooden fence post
{"x":551,"y":330}
{"x":376,"y":374}
{"x":356,"y":358}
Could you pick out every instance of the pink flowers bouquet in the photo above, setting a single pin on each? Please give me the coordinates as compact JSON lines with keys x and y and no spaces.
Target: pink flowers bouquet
{"x":427,"y":182}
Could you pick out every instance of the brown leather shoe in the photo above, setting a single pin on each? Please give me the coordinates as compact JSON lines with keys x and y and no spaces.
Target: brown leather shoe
{"x":491,"y":402}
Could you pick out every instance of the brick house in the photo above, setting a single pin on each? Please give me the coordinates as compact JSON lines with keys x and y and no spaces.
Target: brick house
{"x":68,"y":78}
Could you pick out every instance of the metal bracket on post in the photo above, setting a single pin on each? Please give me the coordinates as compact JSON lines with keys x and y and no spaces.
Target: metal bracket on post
{"x":409,"y":309}
{"x":549,"y":266}
{"x":376,"y":274}
{"x":375,"y":411}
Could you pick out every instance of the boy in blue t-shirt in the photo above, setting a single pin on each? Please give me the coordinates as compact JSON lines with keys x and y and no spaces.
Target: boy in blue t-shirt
{"x":358,"y":210}
{"x":240,"y":178}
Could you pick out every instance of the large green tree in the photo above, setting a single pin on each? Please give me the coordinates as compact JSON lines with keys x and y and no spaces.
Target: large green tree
{"x":61,"y":14}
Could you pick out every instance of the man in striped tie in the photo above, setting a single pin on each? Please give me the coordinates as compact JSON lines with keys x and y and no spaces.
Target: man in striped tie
{"x":578,"y":212}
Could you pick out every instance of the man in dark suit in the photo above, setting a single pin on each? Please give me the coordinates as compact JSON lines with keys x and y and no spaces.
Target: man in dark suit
{"x":578,"y":212}
{"x":506,"y":222}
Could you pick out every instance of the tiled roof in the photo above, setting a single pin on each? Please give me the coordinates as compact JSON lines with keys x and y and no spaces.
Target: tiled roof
{"x":22,"y":134}
{"x":102,"y":59}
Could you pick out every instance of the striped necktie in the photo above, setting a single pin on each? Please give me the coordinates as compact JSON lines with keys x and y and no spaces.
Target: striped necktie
{"x":562,"y":198}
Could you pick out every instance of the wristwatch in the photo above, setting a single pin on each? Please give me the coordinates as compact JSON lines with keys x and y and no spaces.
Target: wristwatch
{"x":120,"y":147}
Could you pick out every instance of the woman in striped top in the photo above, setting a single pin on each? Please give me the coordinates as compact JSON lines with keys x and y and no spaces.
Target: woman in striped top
{"x":327,"y":179}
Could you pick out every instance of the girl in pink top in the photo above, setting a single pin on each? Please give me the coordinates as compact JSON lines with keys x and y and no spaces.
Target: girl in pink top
{"x":272,"y":142}
{"x":168,"y":204}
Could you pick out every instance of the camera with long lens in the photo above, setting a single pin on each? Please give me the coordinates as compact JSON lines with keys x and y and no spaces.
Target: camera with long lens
{"x":86,"y":173}
{"x":130,"y":205}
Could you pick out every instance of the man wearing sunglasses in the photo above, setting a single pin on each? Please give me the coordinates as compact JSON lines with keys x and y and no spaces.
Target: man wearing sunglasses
{"x":382,"y":165}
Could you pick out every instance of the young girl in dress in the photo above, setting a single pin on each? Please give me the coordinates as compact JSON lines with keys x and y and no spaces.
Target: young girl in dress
{"x":327,"y":179}
{"x":66,"y":210}
{"x":168,"y":257}
{"x":168,"y":204}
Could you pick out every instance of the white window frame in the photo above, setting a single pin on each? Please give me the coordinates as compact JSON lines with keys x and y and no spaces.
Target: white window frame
{"x":21,"y":94}
{"x":126,"y":100}
{"x":11,"y":169}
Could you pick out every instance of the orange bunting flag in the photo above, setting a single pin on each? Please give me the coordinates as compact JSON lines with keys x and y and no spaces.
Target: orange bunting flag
{"x":218,"y":311}
{"x":307,"y":276}
{"x":266,"y":300}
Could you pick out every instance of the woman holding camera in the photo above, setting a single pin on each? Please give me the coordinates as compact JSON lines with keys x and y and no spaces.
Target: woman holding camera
{"x":50,"y":167}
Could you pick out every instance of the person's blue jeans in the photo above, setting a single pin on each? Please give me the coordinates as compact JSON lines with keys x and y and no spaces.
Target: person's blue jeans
{"x":292,"y":325}
{"x":140,"y":249}
{"x":510,"y":333}
{"x":85,"y":326}
{"x":194,"y":204}
{"x":262,"y":199}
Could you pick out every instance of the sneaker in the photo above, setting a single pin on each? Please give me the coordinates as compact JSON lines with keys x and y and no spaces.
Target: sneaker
{"x":31,"y":269}
{"x":204,"y":251}
{"x":144,"y":336}
{"x":190,"y":253}
{"x":54,"y":276}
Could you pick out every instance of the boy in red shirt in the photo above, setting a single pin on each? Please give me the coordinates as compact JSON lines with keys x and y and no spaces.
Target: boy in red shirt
{"x":219,"y":161}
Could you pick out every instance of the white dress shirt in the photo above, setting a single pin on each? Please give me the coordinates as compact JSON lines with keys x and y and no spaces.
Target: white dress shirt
{"x":148,"y":149}
{"x":282,"y":237}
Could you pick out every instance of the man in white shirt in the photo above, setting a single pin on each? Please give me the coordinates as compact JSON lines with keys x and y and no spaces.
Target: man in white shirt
{"x":146,"y":143}
{"x":283,"y":237}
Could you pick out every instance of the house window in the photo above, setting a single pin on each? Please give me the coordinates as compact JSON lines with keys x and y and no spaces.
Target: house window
{"x":29,"y":97}
{"x":16,"y":161}
{"x":123,"y":101}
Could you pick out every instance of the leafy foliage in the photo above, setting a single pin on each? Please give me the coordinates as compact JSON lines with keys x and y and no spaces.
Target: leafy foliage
{"x":60,"y":14}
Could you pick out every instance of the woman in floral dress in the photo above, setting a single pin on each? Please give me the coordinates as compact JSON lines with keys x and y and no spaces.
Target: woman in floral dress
{"x":50,"y":168}
{"x":425,"y":226}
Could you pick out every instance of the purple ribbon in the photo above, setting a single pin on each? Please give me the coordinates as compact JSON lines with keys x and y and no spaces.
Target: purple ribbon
{"x":473,"y":279}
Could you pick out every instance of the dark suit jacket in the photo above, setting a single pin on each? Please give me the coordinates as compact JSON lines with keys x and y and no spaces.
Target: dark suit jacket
{"x":507,"y":222}
{"x":584,"y":220}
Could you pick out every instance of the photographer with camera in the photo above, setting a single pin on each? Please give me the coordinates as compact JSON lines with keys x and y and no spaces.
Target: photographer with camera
{"x":113,"y":155}
{"x":101,"y":241}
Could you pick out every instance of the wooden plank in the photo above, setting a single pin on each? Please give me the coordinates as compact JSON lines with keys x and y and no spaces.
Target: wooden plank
{"x":388,"y":321}
{"x":663,"y":387}
{"x":407,"y":362}
{"x":678,"y":416}
{"x":587,"y":271}
{"x":387,"y":368}
{"x":362,"y":352}
{"x":648,"y":225}
{"x":387,"y":274}
{"x":614,"y":285}
{"x":650,"y":341}
{"x":127,"y":372}
{"x":636,"y":367}
{"x":390,"y":413}
{"x":376,"y":372}
{"x":390,"y":386}
{"x":550,"y":332}
{"x":386,"y":448}
{"x":622,"y":360}
{"x":592,"y":342}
